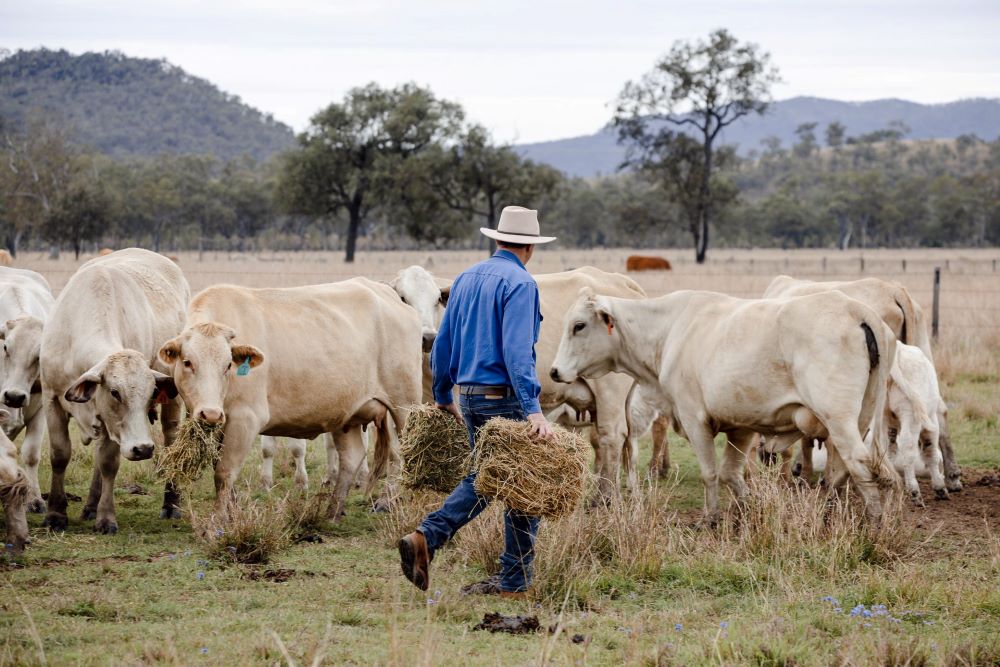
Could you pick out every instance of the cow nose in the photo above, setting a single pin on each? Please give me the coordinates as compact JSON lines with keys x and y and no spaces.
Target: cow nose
{"x":429,"y":341}
{"x":142,"y":452}
{"x":554,"y":374}
{"x":14,"y":399}
{"x":210,"y":415}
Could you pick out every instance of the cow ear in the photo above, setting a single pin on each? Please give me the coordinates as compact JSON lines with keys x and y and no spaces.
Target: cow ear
{"x":171,"y":351}
{"x":587,"y":293}
{"x":6,"y":327}
{"x":83,"y":389}
{"x":445,"y":293}
{"x":243,"y":352}
{"x":164,"y":383}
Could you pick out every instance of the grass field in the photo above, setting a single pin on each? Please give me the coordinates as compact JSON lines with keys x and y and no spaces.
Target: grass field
{"x":634,"y":583}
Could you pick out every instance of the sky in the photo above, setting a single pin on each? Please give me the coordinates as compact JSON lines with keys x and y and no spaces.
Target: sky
{"x":527,"y":70}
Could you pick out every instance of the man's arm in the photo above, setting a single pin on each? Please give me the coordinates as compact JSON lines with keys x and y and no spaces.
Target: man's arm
{"x":518,"y":331}
{"x":441,"y":363}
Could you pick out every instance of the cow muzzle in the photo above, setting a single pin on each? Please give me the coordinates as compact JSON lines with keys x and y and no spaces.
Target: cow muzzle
{"x":429,"y":337}
{"x":211,"y":415}
{"x":139,"y":452}
{"x":14,"y":398}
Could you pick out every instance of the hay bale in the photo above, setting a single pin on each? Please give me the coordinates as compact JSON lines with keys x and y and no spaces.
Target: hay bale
{"x":530,"y":475}
{"x":198,"y":445}
{"x":435,"y":450}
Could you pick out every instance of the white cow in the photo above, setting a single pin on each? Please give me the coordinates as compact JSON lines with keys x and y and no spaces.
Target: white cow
{"x":297,"y":448}
{"x":814,"y":366}
{"x":297,"y":362}
{"x":912,"y":412}
{"x":14,"y":491}
{"x":25,"y":303}
{"x":99,"y":365}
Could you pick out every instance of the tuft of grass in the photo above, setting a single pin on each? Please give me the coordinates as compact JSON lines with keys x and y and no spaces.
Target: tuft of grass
{"x":251,"y":533}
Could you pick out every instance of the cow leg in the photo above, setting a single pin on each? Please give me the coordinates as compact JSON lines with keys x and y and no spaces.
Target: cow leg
{"x":609,"y":451}
{"x":734,"y":461}
{"x":89,"y":511}
{"x":241,"y":430}
{"x":595,"y":442}
{"x":806,"y":469}
{"x":857,"y":460}
{"x":13,"y":494}
{"x":297,"y":448}
{"x":31,"y":450}
{"x":659,"y":464}
{"x":350,"y":452}
{"x":60,"y":449}
{"x":332,"y":459}
{"x":170,"y":421}
{"x":952,"y":471}
{"x":361,"y":480}
{"x":107,"y":460}
{"x":930,"y":452}
{"x":268,"y":447}
{"x":907,"y":446}
{"x":704,"y":448}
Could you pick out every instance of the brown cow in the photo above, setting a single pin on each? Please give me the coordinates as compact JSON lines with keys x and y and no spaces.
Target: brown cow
{"x":643,"y":263}
{"x":104,"y":251}
{"x":5,"y":258}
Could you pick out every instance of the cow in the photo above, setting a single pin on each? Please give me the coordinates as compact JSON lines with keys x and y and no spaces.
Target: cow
{"x":643,"y":415}
{"x":905,"y":318}
{"x":25,"y":303}
{"x":104,"y":251}
{"x":297,"y":362}
{"x":814,"y":366}
{"x":5,"y":258}
{"x":427,"y":295}
{"x":912,"y":414}
{"x":642,"y":263}
{"x":99,"y":365}
{"x":14,"y":492}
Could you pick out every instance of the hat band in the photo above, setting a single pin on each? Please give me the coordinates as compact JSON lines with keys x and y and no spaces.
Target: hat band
{"x":501,"y":231}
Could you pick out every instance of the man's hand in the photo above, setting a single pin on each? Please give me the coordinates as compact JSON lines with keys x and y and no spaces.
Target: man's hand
{"x":453,"y":410}
{"x":540,"y":426}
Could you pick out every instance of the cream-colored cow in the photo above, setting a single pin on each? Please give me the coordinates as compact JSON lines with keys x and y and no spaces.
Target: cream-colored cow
{"x":14,"y":493}
{"x":99,"y":365}
{"x":297,"y":362}
{"x":297,"y":448}
{"x":814,"y":366}
{"x":25,"y":303}
{"x":905,"y":318}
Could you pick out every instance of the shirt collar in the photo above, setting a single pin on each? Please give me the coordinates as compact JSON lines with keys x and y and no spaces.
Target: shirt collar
{"x":509,"y":256}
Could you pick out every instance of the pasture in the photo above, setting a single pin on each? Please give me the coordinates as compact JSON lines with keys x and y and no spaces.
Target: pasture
{"x":632,"y":583}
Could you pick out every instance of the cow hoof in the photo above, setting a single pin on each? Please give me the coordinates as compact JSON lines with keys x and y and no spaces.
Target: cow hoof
{"x":88,"y":513}
{"x":170,"y":513}
{"x":955,"y":485}
{"x":941,"y":494}
{"x":797,"y":470}
{"x":106,"y":526}
{"x":917,"y":499}
{"x":381,"y":506}
{"x":37,"y":506}
{"x":55,"y":521}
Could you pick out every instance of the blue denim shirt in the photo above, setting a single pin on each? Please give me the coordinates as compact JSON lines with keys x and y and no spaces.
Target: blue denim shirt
{"x":489,"y":331}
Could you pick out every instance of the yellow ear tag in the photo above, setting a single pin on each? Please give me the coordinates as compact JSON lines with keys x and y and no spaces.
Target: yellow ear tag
{"x":244,"y":368}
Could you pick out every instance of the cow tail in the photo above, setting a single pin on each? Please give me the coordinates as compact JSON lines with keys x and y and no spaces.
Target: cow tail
{"x":627,"y":461}
{"x":880,"y":359}
{"x":384,"y":450}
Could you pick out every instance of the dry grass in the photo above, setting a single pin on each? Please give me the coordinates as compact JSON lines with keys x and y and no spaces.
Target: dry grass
{"x":528,"y":474}
{"x":434,"y":449}
{"x":253,"y":532}
{"x":197,"y":446}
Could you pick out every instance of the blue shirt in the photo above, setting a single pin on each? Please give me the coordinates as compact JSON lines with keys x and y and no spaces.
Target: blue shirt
{"x":489,"y":331}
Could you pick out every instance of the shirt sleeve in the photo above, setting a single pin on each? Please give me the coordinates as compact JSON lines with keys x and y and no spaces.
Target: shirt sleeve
{"x":520,"y":318}
{"x":441,"y":362}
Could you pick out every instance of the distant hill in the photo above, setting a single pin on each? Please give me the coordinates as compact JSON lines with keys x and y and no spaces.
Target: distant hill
{"x":599,"y":153}
{"x":135,"y":106}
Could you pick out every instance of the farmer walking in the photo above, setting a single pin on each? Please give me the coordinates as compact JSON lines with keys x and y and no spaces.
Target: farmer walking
{"x":486,"y":346}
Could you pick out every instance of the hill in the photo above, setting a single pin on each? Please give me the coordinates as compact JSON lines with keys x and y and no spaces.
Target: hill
{"x":599,"y":153}
{"x":134,"y":106}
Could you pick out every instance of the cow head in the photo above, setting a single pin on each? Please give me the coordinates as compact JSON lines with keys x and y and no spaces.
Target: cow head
{"x":203,"y":361}
{"x":589,"y":343}
{"x":119,"y":390}
{"x":13,"y":494}
{"x":22,"y":339}
{"x":418,"y":289}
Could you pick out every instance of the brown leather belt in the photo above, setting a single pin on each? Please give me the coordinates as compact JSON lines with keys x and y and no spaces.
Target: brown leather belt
{"x":484,"y":390}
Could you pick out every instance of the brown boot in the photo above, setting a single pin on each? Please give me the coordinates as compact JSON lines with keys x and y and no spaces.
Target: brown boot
{"x":415,"y":558}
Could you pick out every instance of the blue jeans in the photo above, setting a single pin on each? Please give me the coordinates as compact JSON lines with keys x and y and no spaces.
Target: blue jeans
{"x":464,"y":504}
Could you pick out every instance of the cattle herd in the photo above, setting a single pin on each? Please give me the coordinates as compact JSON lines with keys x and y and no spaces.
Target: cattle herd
{"x":844,"y":366}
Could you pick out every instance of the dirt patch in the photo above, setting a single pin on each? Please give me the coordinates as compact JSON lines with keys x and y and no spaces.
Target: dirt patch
{"x":70,"y":497}
{"x":992,"y":479}
{"x":963,"y":518}
{"x":512,"y":625}
{"x":276,"y":575}
{"x":135,"y":490}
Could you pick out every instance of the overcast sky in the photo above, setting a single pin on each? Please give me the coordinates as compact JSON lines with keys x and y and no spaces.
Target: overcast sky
{"x":529,"y":71}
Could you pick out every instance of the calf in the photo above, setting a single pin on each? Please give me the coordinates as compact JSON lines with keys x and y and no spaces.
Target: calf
{"x":14,"y":492}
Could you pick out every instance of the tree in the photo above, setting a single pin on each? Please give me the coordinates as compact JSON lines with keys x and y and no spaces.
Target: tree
{"x":718,"y":81}
{"x":806,"y":132}
{"x":835,"y":134}
{"x":350,"y":146}
{"x":81,"y":214}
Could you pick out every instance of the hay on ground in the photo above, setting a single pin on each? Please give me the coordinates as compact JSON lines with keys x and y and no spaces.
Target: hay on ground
{"x":197,"y":446}
{"x":530,"y":475}
{"x":435,"y":450}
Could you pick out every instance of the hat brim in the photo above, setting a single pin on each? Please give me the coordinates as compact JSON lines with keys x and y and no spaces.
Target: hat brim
{"x":515,"y":238}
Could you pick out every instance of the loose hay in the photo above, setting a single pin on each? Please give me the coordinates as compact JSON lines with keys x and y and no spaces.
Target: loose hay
{"x":529,"y":474}
{"x":198,"y":445}
{"x":435,"y":450}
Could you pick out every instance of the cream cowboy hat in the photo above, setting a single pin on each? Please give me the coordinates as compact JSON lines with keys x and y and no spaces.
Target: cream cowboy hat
{"x":517,"y":225}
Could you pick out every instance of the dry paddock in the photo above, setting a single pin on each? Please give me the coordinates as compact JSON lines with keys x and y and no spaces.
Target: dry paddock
{"x":633,"y":583}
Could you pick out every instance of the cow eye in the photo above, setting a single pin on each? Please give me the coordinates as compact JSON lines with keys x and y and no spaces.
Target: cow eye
{"x":578,"y":327}
{"x":115,"y":395}
{"x":403,"y":299}
{"x":187,"y":363}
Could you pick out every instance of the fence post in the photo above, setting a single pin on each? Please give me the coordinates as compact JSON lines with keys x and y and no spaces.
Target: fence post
{"x":935,"y":308}
{"x":824,"y":263}
{"x":862,"y":265}
{"x":904,"y":266}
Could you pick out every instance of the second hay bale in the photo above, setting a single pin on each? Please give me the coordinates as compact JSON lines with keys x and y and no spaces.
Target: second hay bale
{"x":530,"y":475}
{"x":434,"y":449}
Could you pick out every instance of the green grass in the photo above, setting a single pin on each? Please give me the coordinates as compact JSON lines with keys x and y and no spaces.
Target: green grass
{"x":137,"y":597}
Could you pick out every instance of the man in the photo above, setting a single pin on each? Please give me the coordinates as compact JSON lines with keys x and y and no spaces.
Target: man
{"x":486,"y":346}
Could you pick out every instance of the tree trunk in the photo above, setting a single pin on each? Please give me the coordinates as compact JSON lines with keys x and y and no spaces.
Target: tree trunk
{"x":353,"y":225}
{"x":491,"y":222}
{"x":704,"y":194}
{"x":845,"y":233}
